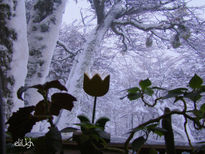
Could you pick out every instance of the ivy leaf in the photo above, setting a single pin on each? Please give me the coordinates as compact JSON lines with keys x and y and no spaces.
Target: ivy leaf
{"x":133,"y":90}
{"x":61,"y":101}
{"x":175,"y":92}
{"x":21,"y":122}
{"x":145,"y":83}
{"x":199,"y":114}
{"x":148,"y":91}
{"x":134,"y":96}
{"x":101,"y":122}
{"x":195,"y":82}
{"x":194,"y":95}
{"x":138,"y":143}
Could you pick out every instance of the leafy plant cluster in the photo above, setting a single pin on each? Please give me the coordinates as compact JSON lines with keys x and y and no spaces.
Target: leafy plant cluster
{"x":192,"y":109}
{"x":92,"y":137}
{"x":22,"y":121}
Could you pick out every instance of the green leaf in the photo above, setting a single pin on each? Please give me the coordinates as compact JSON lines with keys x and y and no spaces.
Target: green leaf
{"x":43,"y":88}
{"x":175,"y":92}
{"x":21,"y":122}
{"x":202,"y":108}
{"x":194,"y":95}
{"x":61,"y":101}
{"x":101,"y":122}
{"x":145,"y":83}
{"x":199,"y":114}
{"x":54,"y":84}
{"x":195,"y":82}
{"x":83,"y":119}
{"x":148,"y":91}
{"x":136,"y":129}
{"x":133,"y":90}
{"x":151,"y":126}
{"x":159,"y":131}
{"x":138,"y":143}
{"x":134,"y":96}
{"x":68,"y":130}
{"x":41,"y":109}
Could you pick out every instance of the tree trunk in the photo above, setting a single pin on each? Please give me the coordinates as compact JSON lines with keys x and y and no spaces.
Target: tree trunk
{"x":43,"y":30}
{"x":13,"y":52}
{"x":83,"y":62}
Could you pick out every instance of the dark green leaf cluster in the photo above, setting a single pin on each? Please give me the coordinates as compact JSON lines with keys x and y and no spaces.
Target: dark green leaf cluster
{"x":92,"y":138}
{"x":191,"y":95}
{"x":22,"y":121}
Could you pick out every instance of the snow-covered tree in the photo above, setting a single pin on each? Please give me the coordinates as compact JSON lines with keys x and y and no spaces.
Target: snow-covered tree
{"x":13,"y":51}
{"x":170,"y":21}
{"x":26,"y":47}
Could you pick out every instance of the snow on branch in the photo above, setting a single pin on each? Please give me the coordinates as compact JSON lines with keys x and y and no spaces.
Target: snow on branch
{"x":60,"y":43}
{"x":145,"y":27}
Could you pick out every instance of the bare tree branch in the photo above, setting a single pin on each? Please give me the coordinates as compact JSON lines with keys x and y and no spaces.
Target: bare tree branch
{"x":65,"y":48}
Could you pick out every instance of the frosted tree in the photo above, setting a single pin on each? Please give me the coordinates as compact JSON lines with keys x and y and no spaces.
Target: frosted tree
{"x":13,"y":51}
{"x":43,"y":29}
{"x":27,"y":43}
{"x":168,"y":20}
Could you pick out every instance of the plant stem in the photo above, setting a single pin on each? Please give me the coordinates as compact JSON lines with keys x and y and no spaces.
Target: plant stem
{"x":94,"y":108}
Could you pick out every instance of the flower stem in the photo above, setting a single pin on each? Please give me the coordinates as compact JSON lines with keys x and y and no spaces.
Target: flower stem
{"x":94,"y":108}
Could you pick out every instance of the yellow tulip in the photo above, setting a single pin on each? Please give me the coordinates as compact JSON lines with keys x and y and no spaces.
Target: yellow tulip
{"x":96,"y":86}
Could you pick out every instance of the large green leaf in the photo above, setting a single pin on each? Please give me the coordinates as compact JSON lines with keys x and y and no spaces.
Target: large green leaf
{"x":61,"y":101}
{"x":101,"y":122}
{"x":145,"y":83}
{"x":21,"y":122}
{"x":83,"y":119}
{"x":195,"y":82}
{"x":138,"y":143}
{"x":41,"y":88}
{"x":41,"y":110}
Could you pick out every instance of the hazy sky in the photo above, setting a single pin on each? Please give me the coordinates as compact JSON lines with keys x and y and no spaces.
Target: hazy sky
{"x":72,"y":11}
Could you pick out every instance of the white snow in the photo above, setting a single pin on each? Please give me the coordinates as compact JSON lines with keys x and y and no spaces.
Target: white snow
{"x":20,"y":51}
